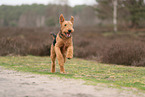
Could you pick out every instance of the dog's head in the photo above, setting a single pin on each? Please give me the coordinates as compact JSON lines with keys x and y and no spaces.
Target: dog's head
{"x":66,"y":26}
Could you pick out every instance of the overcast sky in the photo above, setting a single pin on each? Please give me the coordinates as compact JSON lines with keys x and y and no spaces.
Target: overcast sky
{"x":70,"y":2}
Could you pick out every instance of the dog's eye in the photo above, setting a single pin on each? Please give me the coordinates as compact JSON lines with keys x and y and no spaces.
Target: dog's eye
{"x":65,"y":24}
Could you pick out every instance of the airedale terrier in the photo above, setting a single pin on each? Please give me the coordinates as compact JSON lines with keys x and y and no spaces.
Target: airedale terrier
{"x":62,"y":46}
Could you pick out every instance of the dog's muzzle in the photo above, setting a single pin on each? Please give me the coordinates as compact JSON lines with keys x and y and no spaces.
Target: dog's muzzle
{"x":68,"y":34}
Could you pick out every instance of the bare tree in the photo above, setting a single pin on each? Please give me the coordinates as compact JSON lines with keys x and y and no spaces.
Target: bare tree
{"x":115,"y":15}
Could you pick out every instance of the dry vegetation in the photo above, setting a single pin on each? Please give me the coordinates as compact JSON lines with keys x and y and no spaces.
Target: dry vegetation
{"x":91,"y":43}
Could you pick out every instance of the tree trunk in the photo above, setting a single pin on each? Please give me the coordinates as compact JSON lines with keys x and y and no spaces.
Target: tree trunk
{"x":115,"y":15}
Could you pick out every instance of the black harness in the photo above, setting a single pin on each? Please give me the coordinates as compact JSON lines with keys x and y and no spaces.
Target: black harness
{"x":54,"y":41}
{"x":61,"y":35}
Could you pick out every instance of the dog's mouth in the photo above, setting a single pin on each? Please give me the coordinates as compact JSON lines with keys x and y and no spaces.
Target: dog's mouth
{"x":68,"y":34}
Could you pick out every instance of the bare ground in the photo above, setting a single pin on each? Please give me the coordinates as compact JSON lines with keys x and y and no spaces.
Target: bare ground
{"x":19,"y":84}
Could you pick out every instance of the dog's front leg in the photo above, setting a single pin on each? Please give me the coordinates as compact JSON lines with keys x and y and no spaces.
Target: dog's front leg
{"x":69,"y":52}
{"x":60,"y":59}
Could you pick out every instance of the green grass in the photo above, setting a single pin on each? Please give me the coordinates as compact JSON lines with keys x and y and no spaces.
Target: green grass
{"x":91,"y":72}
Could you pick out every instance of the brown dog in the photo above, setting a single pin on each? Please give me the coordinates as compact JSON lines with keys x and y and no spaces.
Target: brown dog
{"x":62,"y":46}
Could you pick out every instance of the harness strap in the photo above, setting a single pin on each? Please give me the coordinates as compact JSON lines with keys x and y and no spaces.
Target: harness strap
{"x":60,"y":34}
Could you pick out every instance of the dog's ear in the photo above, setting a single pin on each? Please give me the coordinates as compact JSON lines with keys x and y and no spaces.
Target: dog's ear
{"x":61,"y":19}
{"x":72,"y":19}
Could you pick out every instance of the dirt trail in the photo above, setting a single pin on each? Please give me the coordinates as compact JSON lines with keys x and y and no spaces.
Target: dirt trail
{"x":18,"y":84}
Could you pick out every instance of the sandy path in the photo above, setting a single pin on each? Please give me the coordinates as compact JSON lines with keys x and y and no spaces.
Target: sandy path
{"x":18,"y":84}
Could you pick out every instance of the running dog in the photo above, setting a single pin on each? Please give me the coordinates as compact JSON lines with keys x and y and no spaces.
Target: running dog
{"x":62,"y":46}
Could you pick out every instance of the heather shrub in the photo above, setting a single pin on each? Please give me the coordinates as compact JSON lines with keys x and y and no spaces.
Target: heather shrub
{"x":44,"y":50}
{"x":89,"y":43}
{"x":125,"y":53}
{"x":14,"y":46}
{"x":139,"y":63}
{"x":24,"y":41}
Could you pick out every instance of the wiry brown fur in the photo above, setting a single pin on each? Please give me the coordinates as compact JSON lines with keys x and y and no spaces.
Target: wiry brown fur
{"x":64,"y":46}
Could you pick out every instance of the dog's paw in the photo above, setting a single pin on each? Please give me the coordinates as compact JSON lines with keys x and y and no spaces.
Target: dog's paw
{"x":69,"y":58}
{"x":52,"y":71}
{"x":62,"y":72}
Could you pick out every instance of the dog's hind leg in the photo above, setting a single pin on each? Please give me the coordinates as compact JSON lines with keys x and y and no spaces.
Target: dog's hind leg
{"x":60,"y":59}
{"x":53,"y":57}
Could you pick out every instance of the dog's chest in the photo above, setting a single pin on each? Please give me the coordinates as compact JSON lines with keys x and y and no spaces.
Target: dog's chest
{"x":63,"y":42}
{"x":66,"y":44}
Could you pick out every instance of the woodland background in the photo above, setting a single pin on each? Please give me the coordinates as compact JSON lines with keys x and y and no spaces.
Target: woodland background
{"x":25,"y":30}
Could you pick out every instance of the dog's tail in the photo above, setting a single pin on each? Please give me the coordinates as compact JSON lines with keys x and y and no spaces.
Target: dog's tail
{"x":53,"y":35}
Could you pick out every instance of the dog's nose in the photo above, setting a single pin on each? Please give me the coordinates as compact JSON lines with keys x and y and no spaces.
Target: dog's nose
{"x":69,"y":30}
